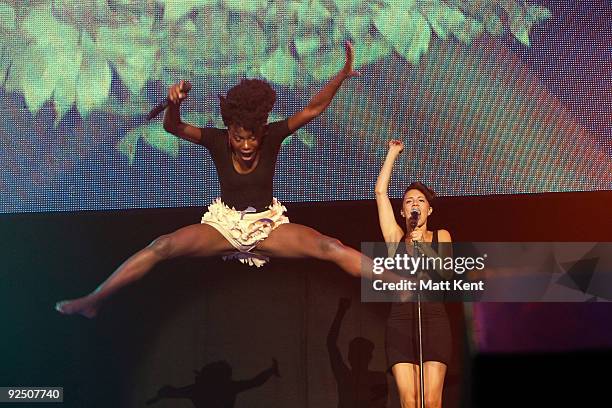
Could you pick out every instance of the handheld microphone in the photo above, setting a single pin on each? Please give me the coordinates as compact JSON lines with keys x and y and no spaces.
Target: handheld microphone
{"x":159,"y":108}
{"x":415,"y":212}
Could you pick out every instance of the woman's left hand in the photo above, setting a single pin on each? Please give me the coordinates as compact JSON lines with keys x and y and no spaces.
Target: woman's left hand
{"x":348,"y":71}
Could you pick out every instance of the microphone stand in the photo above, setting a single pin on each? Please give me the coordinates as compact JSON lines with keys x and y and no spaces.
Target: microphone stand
{"x":415,"y":246}
{"x":420,"y":335}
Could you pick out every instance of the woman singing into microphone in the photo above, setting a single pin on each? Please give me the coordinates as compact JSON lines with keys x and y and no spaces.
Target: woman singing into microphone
{"x":401,"y":340}
{"x":246,"y":222}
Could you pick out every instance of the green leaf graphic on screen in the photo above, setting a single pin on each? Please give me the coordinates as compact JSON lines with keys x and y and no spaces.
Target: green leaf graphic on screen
{"x":127,"y":145}
{"x":326,"y":66}
{"x":280,"y":68}
{"x":66,"y":52}
{"x":245,"y":5}
{"x":155,"y":135}
{"x":94,"y":78}
{"x":312,"y":13}
{"x":407,"y":30}
{"x":175,"y":9}
{"x":36,"y":81}
{"x":306,"y":137}
{"x":7,"y":17}
{"x":357,"y":25}
{"x":307,"y":44}
{"x":65,"y":89}
{"x":132,"y":52}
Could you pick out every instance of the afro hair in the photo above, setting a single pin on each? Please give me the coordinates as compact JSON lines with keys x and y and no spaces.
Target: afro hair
{"x":248,"y":104}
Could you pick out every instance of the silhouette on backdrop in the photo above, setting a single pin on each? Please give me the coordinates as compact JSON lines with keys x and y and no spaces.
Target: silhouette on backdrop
{"x":358,"y":387}
{"x":214,"y":387}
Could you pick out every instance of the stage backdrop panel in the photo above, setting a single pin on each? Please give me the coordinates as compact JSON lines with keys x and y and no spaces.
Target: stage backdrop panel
{"x":215,"y":323}
{"x":495,"y":97}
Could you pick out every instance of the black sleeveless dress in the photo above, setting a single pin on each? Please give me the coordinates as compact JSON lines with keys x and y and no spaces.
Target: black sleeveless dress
{"x":401,"y":339}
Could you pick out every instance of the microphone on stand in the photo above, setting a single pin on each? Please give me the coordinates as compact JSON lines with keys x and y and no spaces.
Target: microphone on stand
{"x":159,"y":108}
{"x":415,"y":212}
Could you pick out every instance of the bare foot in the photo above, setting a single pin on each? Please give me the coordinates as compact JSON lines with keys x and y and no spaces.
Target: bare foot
{"x":82,"y":306}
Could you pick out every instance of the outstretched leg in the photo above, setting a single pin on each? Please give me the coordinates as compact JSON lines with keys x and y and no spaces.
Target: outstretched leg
{"x":193,"y":240}
{"x":298,"y":241}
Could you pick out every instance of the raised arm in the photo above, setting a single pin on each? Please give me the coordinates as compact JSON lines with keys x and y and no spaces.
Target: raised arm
{"x":172,"y":116}
{"x":339,"y":368}
{"x":257,"y":381}
{"x":323,"y":98}
{"x":391,"y":231}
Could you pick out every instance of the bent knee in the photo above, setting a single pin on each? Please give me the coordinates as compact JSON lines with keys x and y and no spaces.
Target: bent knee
{"x":330,"y":247}
{"x":162,"y":246}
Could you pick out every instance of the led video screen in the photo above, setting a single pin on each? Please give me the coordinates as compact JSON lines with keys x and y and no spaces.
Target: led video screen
{"x":489,"y":97}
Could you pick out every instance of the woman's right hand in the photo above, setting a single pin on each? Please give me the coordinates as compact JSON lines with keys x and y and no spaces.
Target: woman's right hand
{"x":396,"y":146}
{"x":178,"y":92}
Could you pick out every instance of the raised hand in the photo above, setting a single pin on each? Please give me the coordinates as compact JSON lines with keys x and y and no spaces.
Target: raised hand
{"x":348,"y":71}
{"x":178,"y":92}
{"x":323,"y":98}
{"x":396,"y":146}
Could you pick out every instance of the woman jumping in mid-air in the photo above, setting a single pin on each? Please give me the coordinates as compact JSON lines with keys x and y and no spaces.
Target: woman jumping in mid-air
{"x":246,"y":222}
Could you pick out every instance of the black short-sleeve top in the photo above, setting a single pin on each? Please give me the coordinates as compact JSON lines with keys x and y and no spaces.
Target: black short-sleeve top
{"x":254,"y":189}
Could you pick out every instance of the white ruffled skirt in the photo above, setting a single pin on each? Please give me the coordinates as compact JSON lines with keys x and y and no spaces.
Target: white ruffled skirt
{"x":245,"y":229}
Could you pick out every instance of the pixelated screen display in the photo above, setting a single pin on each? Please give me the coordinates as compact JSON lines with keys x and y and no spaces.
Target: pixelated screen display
{"x":489,"y":97}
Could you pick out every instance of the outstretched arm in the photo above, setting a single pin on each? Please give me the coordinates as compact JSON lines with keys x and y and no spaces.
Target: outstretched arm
{"x":169,"y":391}
{"x":323,"y":98}
{"x":172,"y":116}
{"x":258,"y":380}
{"x":391,"y":231}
